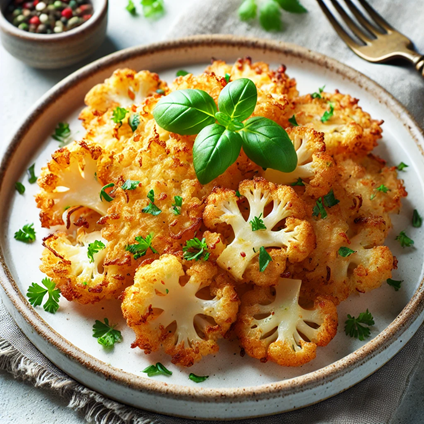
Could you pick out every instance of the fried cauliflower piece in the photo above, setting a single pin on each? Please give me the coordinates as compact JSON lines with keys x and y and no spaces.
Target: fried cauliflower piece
{"x":70,"y":180}
{"x":285,"y":227}
{"x":314,"y":167}
{"x":67,"y":262}
{"x":273,"y":326}
{"x":183,"y":307}
{"x":350,"y":131}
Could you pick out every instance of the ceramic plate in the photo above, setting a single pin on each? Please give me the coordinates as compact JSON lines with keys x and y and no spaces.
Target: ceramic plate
{"x":237,"y":387}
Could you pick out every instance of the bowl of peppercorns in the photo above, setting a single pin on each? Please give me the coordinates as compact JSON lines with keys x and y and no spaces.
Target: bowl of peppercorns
{"x":51,"y":34}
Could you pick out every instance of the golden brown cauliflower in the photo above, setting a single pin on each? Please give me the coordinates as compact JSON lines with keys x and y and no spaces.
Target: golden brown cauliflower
{"x":315,"y":167}
{"x":183,"y":307}
{"x":273,"y":326}
{"x":80,"y":269}
{"x":284,"y":227}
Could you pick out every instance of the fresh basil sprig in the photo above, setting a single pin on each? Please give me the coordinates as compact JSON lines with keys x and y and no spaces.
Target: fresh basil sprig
{"x":218,"y":144}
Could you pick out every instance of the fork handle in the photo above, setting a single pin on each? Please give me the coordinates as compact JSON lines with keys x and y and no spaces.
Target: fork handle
{"x":420,"y":66}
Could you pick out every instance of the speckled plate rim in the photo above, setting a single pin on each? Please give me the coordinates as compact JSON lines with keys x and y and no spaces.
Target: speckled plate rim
{"x":410,"y":316}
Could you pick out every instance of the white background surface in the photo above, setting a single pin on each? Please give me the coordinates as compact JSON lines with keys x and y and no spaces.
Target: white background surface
{"x":20,"y":87}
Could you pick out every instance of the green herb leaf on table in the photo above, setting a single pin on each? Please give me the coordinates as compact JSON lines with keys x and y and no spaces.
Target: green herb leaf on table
{"x":26,"y":234}
{"x":402,"y":166}
{"x":19,"y":187}
{"x":93,"y":248}
{"x":270,"y":16}
{"x":106,"y":334}
{"x":119,"y":114}
{"x":176,"y":206}
{"x":293,"y":121}
{"x":153,"y":8}
{"x":396,"y":284}
{"x":328,"y":113}
{"x":247,"y":10}
{"x":264,"y":259}
{"x":292,"y":6}
{"x":104,"y":194}
{"x":32,"y":178}
{"x":140,"y":248}
{"x":319,"y":209}
{"x":134,"y":121}
{"x":195,"y":250}
{"x":404,"y":240}
{"x":417,"y":220}
{"x":181,"y":73}
{"x":299,"y":182}
{"x":62,"y":133}
{"x":130,"y":185}
{"x":198,"y":378}
{"x":317,"y":95}
{"x":131,"y":8}
{"x":151,"y":208}
{"x":36,"y":295}
{"x":158,"y":369}
{"x":257,"y":223}
{"x":353,"y":327}
{"x":330,"y":200}
{"x":345,"y":252}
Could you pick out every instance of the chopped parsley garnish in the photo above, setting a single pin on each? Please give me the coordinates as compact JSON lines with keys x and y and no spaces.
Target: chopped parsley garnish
{"x":119,"y":114}
{"x":106,"y":334}
{"x":299,"y":182}
{"x":383,"y":188}
{"x":328,"y":113}
{"x":176,"y":206}
{"x":402,"y":166}
{"x":353,"y":327}
{"x":319,"y":209}
{"x":182,"y":73}
{"x":318,"y":95}
{"x":36,"y":295}
{"x":62,"y":133}
{"x":293,"y":121}
{"x":257,"y":223}
{"x":345,"y":251}
{"x":66,"y":208}
{"x":372,"y":197}
{"x":151,"y":208}
{"x":404,"y":240}
{"x":153,"y":8}
{"x":19,"y":187}
{"x":141,"y":247}
{"x":198,"y":378}
{"x":160,"y":91}
{"x":26,"y":234}
{"x":131,"y":8}
{"x":158,"y":369}
{"x":264,"y":259}
{"x":32,"y":178}
{"x":104,"y":194}
{"x":417,"y":220}
{"x":227,"y":78}
{"x":395,"y":284}
{"x":330,"y":200}
{"x":238,"y":194}
{"x":134,"y":121}
{"x":196,"y":249}
{"x":93,"y":248}
{"x":130,"y":185}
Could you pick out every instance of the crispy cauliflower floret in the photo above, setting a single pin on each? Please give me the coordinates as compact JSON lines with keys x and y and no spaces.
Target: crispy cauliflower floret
{"x":87,"y":280}
{"x":314,"y":167}
{"x":284,"y":225}
{"x":183,"y":310}
{"x":349,"y":130}
{"x":275,"y":327}
{"x":70,"y":180}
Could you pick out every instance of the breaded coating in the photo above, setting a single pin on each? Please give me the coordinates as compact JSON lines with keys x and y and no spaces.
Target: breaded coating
{"x":285,"y":227}
{"x":66,"y":261}
{"x":315,"y":167}
{"x":273,"y":326}
{"x":182,"y":307}
{"x":349,"y":131}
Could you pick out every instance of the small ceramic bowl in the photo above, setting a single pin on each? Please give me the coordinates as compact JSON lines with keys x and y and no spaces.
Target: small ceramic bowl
{"x":53,"y":51}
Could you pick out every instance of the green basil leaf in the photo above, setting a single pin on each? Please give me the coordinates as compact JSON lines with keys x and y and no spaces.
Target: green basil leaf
{"x":268,"y":145}
{"x":270,"y":16}
{"x":214,"y":150}
{"x":185,"y":112}
{"x":238,"y":99}
{"x":292,"y":6}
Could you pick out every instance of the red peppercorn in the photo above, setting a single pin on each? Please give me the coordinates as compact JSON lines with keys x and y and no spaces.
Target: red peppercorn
{"x":67,"y":13}
{"x":34,"y":20}
{"x":86,"y":17}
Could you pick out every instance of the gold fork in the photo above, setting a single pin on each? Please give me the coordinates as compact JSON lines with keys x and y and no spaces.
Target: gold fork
{"x":381,"y":42}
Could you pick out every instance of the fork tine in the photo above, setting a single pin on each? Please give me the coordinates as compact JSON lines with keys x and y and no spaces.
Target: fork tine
{"x":342,"y":33}
{"x":377,"y":17}
{"x":360,"y":17}
{"x":351,"y":24}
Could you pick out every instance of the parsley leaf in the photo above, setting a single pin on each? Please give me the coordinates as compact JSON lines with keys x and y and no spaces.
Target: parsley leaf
{"x":319,"y":209}
{"x":104,"y":194}
{"x":227,"y":77}
{"x":402,"y":166}
{"x":417,"y":220}
{"x":36,"y":295}
{"x":131,"y":8}
{"x":26,"y":234}
{"x":119,"y":114}
{"x":141,"y":247}
{"x":328,"y":113}
{"x":345,"y":251}
{"x":198,"y":378}
{"x":176,"y":206}
{"x":404,"y":240}
{"x":19,"y":187}
{"x":182,"y":73}
{"x":318,"y":95}
{"x":257,"y":223}
{"x":158,"y":369}
{"x":299,"y":182}
{"x":353,"y":327}
{"x":62,"y":133}
{"x":293,"y":121}
{"x":32,"y":178}
{"x":160,"y":91}
{"x":130,"y":185}
{"x":153,"y":8}
{"x":238,"y":194}
{"x":151,"y":208}
{"x":247,"y":10}
{"x":93,"y":248}
{"x":134,"y":121}
{"x":106,"y":334}
{"x":330,"y":200}
{"x":264,"y":259}
{"x":395,"y":284}
{"x":383,"y":188}
{"x":372,"y":197}
{"x":196,"y":249}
